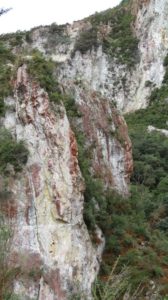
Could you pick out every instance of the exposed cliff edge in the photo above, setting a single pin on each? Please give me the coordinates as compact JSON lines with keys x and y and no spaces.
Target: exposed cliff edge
{"x":124,"y":72}
{"x":65,"y":90}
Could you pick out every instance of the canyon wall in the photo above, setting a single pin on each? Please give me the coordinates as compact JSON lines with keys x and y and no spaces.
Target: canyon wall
{"x":51,"y":243}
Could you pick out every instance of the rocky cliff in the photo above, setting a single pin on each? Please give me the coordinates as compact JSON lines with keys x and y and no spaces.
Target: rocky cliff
{"x":50,"y":237}
{"x":104,"y":75}
{"x":129,"y":87}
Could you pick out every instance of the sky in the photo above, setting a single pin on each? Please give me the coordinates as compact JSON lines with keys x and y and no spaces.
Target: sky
{"x":26,"y":14}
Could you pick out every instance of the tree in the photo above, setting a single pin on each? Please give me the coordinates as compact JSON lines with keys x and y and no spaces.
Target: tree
{"x":3,"y":11}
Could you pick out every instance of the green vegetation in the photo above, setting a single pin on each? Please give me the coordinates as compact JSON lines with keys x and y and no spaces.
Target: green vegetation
{"x":94,"y":192}
{"x":86,"y":41}
{"x":119,"y":43}
{"x":7,"y":273}
{"x":56,"y":34}
{"x":117,"y":286}
{"x":15,"y":39}
{"x":135,"y":228}
{"x":14,"y":153}
{"x":129,"y":225}
{"x":42,"y":71}
{"x":6,"y":58}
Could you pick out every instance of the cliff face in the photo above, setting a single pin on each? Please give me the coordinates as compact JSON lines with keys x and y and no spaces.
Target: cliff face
{"x":50,"y":239}
{"x":152,"y":30}
{"x":128,"y":87}
{"x":51,"y":243}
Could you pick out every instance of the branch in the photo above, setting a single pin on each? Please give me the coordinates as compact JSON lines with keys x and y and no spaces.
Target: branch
{"x":3,"y":11}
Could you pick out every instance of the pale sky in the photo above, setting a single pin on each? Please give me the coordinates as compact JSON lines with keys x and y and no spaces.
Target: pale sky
{"x":27,"y":14}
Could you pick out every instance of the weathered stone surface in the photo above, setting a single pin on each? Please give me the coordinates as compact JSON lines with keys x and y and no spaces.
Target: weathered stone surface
{"x":127,"y":87}
{"x":162,"y":131}
{"x":51,"y":243}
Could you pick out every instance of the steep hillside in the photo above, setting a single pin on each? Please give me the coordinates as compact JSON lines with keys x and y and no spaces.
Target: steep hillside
{"x":72,"y":206}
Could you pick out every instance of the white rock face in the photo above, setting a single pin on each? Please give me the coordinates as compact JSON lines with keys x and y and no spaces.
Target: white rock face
{"x":162,"y":131}
{"x":130,"y":89}
{"x":51,"y":241}
{"x":151,"y":28}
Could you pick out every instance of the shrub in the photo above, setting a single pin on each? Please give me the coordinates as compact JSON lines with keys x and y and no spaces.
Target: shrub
{"x":86,"y":41}
{"x":117,"y":286}
{"x":120,"y":42}
{"x":148,"y":83}
{"x":11,"y":152}
{"x":57,"y":34}
{"x":165,"y":63}
{"x":42,"y":71}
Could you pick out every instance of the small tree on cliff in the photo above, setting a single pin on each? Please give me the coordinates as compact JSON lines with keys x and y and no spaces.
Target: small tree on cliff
{"x":3,"y":11}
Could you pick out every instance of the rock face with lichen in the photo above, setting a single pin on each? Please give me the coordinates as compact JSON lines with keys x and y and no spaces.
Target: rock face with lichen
{"x":51,"y":243}
{"x":129,"y":87}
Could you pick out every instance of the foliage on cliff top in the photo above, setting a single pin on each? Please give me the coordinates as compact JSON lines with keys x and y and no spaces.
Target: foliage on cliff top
{"x":56,"y":34}
{"x":118,"y":42}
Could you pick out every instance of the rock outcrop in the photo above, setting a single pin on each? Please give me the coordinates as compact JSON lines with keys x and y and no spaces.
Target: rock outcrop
{"x":51,"y":243}
{"x":128,"y":87}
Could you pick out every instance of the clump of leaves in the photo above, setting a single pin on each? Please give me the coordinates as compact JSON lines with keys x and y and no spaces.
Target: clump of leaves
{"x":11,"y":152}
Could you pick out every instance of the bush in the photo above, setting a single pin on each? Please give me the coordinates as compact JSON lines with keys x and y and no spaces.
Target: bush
{"x":42,"y":71}
{"x":11,"y":152}
{"x":120,"y":42}
{"x":86,"y":41}
{"x":165,"y":63}
{"x":56,"y":34}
